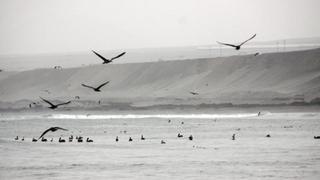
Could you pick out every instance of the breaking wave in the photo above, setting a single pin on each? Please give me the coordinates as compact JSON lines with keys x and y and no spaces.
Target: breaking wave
{"x":124,"y":116}
{"x":161,"y":116}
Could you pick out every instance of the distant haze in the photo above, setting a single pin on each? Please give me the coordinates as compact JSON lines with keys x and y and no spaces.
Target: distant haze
{"x":37,"y":26}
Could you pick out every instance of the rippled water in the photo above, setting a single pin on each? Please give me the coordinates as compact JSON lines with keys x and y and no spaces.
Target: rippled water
{"x":290,"y":153}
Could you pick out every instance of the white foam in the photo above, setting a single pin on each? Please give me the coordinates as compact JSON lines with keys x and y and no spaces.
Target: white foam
{"x":161,"y":116}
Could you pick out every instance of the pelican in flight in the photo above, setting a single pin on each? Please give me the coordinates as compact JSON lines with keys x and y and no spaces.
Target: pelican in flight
{"x":97,"y":89}
{"x":53,"y":129}
{"x":106,"y":61}
{"x":237,"y":46}
{"x":54,"y":106}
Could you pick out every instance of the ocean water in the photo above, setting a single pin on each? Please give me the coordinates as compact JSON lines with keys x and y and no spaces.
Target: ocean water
{"x":290,"y":153}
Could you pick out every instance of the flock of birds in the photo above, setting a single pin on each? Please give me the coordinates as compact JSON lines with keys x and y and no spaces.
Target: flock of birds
{"x":80,"y":138}
{"x":98,"y":89}
{"x":106,"y":61}
{"x":53,"y":129}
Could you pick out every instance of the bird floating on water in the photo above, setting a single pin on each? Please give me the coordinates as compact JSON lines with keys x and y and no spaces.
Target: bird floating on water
{"x":80,"y":139}
{"x":237,"y":47}
{"x":234,"y":137}
{"x":142,"y":138}
{"x":106,"y":61}
{"x":71,"y":138}
{"x":61,"y":140}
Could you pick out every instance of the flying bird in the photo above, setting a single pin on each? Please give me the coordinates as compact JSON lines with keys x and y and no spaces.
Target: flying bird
{"x":106,"y":61}
{"x":97,"y":89}
{"x":237,"y":46}
{"x":194,"y":93}
{"x":53,"y":129}
{"x":54,"y":106}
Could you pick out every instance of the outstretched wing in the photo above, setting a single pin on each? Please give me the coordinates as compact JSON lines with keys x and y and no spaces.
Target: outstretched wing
{"x":45,"y":132}
{"x":103,"y":85}
{"x":51,"y":129}
{"x":226,"y":44}
{"x":103,"y":58}
{"x":248,"y":39}
{"x":61,"y":128}
{"x":118,"y":56}
{"x":87,"y":86}
{"x":47,"y":101}
{"x":63,"y":103}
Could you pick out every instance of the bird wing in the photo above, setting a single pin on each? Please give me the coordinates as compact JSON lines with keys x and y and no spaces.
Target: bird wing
{"x":63,"y":103}
{"x":103,"y":84}
{"x":61,"y":128}
{"x":45,"y":132}
{"x":47,"y":101}
{"x":226,"y":44}
{"x":118,"y":56}
{"x":248,"y":39}
{"x":87,"y":86}
{"x":103,"y":58}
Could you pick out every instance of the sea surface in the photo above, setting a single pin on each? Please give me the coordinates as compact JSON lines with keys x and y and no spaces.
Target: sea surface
{"x":290,"y":153}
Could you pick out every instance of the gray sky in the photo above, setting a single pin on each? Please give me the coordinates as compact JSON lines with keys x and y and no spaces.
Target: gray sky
{"x":41,"y":26}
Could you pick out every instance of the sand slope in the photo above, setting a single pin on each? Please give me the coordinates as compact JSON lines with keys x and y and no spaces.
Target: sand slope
{"x":267,"y":78}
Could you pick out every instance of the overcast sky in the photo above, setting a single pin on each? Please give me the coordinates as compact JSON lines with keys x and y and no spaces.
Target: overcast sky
{"x":41,"y":26}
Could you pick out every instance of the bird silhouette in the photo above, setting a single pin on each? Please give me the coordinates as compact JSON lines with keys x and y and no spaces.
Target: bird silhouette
{"x":54,"y":106}
{"x":234,"y":137}
{"x":106,"y":61}
{"x":97,"y":89}
{"x":194,"y":93}
{"x":237,"y":46}
{"x":53,"y":129}
{"x":89,"y":140}
{"x":61,"y":140}
{"x":142,"y":138}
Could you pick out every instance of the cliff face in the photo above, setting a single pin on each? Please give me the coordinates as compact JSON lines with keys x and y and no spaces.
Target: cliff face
{"x":267,"y":78}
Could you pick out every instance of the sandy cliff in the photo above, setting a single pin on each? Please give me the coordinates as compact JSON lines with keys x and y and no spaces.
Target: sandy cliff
{"x":267,"y":78}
